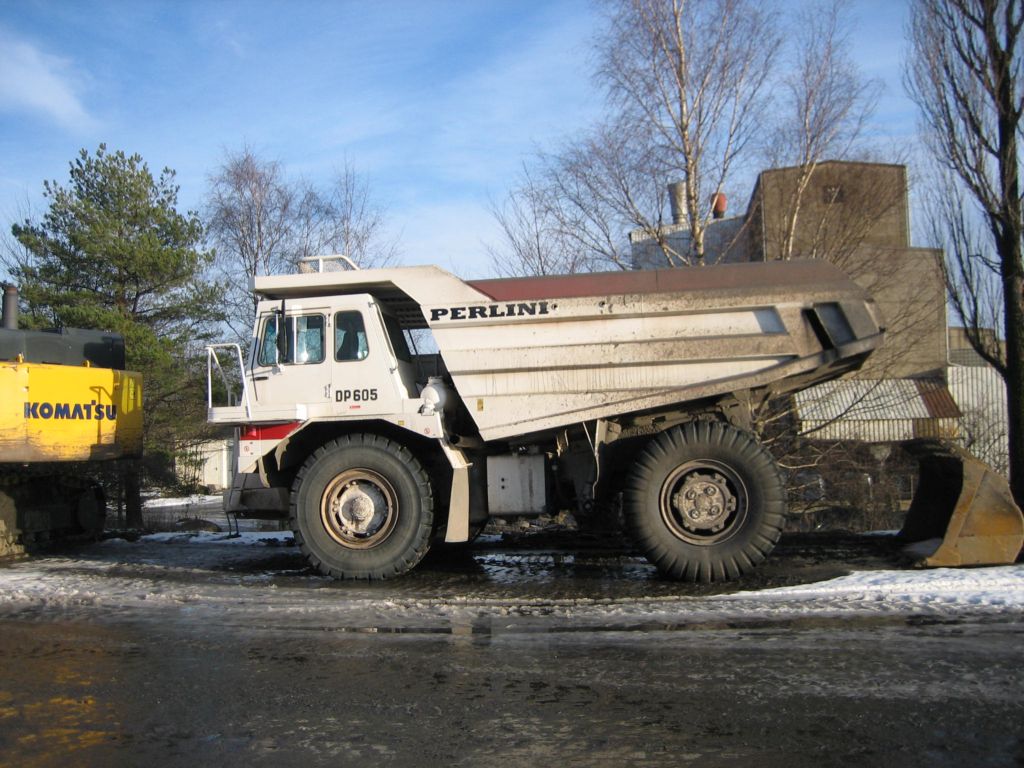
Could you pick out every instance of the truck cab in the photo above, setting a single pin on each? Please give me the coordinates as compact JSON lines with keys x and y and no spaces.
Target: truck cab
{"x":329,"y":356}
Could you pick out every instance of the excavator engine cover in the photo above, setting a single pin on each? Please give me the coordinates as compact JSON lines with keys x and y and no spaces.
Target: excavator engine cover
{"x":963,"y":502}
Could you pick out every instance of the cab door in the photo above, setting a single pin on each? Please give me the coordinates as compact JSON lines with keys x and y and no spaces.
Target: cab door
{"x":366,"y":379}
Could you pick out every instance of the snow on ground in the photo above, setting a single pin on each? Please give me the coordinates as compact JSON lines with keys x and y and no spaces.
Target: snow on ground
{"x":994,"y":588}
{"x":261,"y":578}
{"x":184,"y":502}
{"x":204,"y":538}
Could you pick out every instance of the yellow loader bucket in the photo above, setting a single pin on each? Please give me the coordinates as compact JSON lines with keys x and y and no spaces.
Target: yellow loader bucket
{"x":966,"y":504}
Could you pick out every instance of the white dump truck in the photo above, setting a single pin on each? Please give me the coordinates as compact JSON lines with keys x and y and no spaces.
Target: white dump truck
{"x":538,"y":394}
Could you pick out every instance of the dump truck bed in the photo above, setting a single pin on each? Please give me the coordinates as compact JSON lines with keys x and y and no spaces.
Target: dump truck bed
{"x":529,"y":354}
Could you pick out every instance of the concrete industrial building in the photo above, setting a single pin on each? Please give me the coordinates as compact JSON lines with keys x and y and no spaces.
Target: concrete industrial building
{"x":855,"y":215}
{"x":922,"y":383}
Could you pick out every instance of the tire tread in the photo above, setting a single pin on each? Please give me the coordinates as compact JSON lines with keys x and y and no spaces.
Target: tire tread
{"x":421,"y":538}
{"x":727,"y":560}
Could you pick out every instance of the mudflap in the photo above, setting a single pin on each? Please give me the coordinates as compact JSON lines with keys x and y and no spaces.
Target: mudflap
{"x":963,"y":512}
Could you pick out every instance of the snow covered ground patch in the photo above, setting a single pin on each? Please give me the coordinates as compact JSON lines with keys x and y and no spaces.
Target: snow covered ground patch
{"x":204,"y":538}
{"x":941,"y":591}
{"x":993,"y":586}
{"x":199,"y":500}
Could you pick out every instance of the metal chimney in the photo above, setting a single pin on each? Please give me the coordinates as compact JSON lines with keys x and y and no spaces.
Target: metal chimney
{"x":676,"y":190}
{"x":10,"y":308}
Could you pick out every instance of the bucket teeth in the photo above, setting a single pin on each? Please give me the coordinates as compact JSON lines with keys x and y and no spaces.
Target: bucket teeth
{"x":962,"y":505}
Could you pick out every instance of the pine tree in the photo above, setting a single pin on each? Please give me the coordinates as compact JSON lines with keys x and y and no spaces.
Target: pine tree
{"x":112,"y":252}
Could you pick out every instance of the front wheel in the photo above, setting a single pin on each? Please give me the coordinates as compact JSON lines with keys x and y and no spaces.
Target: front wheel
{"x":362,"y":508}
{"x":705,"y":501}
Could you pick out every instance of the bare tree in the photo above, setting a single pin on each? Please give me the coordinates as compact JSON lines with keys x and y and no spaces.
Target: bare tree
{"x":352,"y":222}
{"x":685,"y":82}
{"x":824,"y":106}
{"x":851,"y":214}
{"x":252,"y":212}
{"x":603,"y":185}
{"x":691,"y":75}
{"x":976,"y":295}
{"x":14,"y":256}
{"x":535,"y":238}
{"x":854,"y":215}
{"x":966,"y":75}
{"x":572,"y":212}
{"x":251,"y":218}
{"x":262,"y":223}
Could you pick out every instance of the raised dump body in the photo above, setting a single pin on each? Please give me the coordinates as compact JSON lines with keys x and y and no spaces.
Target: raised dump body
{"x":534,"y":394}
{"x":594,"y":346}
{"x":598,"y":346}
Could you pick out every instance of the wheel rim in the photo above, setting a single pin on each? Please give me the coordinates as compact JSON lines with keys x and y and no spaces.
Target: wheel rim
{"x":703,"y":502}
{"x":359,"y":509}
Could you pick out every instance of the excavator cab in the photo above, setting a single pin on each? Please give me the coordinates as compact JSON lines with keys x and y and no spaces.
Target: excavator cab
{"x":963,"y":512}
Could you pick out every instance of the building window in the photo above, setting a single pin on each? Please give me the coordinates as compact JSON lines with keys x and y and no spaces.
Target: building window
{"x":833,"y":193}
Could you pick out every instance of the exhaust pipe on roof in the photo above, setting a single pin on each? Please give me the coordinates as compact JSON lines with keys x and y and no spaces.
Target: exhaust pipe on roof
{"x":10,"y":308}
{"x":676,"y":193}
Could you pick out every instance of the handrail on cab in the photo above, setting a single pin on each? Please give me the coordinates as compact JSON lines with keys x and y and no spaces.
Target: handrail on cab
{"x":212,"y":360}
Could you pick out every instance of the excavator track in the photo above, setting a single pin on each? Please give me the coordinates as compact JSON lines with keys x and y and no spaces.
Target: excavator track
{"x":41,"y":505}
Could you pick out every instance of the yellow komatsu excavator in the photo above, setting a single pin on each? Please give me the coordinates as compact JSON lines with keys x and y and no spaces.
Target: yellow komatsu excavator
{"x":67,"y":406}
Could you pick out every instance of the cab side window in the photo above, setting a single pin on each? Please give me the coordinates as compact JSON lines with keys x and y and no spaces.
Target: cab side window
{"x":350,"y":337}
{"x":268,"y":342}
{"x":304,"y":340}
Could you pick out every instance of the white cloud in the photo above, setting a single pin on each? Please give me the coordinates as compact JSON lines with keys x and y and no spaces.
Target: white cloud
{"x":34,"y":81}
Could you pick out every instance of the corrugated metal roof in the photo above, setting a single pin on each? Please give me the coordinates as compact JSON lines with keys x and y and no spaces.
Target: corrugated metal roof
{"x":937,"y":399}
{"x":878,"y":410}
{"x":862,"y":400}
{"x":981,"y":393}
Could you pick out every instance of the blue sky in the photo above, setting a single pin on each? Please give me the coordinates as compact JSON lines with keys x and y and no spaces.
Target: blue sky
{"x":436,"y":104}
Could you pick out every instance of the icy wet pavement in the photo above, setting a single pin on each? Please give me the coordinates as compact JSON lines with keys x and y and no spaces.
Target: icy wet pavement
{"x":195,"y":650}
{"x":545,"y":582}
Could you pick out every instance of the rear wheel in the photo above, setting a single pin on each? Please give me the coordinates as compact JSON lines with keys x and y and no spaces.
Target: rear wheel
{"x":362,"y":508}
{"x":705,"y":501}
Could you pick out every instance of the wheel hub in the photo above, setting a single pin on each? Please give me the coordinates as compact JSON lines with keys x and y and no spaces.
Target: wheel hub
{"x":359,"y":509}
{"x":704,"y":502}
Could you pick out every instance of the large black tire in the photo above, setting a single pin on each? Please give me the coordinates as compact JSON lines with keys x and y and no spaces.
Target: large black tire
{"x":705,"y":502}
{"x":362,"y":507}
